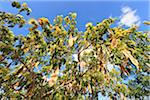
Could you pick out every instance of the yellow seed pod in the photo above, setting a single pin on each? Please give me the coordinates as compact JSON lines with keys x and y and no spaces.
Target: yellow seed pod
{"x":74,"y":15}
{"x":55,"y":46}
{"x":61,"y":41}
{"x":24,"y":5}
{"x":43,"y":21}
{"x":86,"y":33}
{"x":146,"y":22}
{"x":64,"y":32}
{"x":67,"y":20}
{"x":89,"y":25}
{"x":7,"y":77}
{"x":99,"y":25}
{"x":23,"y":22}
{"x":32,"y":21}
{"x":94,"y":28}
{"x":57,"y":29}
{"x":59,"y":18}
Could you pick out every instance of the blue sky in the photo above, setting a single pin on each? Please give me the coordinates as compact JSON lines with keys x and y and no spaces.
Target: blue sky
{"x":88,"y":10}
{"x":127,"y":11}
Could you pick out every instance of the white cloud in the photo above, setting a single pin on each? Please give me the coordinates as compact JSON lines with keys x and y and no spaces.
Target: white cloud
{"x":129,"y":17}
{"x":126,"y":9}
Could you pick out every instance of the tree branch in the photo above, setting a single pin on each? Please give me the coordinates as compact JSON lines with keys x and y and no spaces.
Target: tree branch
{"x":62,"y":85}
{"x":24,"y":65}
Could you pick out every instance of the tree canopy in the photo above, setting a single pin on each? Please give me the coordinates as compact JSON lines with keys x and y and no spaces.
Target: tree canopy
{"x":55,"y":60}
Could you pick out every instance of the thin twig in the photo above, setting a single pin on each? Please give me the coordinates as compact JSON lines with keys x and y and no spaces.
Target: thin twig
{"x":62,"y":85}
{"x":24,"y":65}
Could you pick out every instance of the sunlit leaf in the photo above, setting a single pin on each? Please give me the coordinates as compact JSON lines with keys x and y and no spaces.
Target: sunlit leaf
{"x":53,"y":78}
{"x":36,"y":64}
{"x":82,"y":64}
{"x":89,"y":88}
{"x":133,"y":60}
{"x":72,"y":40}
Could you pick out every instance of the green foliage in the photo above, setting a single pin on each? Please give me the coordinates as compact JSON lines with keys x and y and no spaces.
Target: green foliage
{"x":40,"y":65}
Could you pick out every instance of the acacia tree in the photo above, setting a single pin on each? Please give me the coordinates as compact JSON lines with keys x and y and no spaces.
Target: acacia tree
{"x":40,"y":65}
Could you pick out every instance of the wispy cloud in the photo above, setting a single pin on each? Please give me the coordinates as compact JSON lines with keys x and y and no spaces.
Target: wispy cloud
{"x":129,"y":17}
